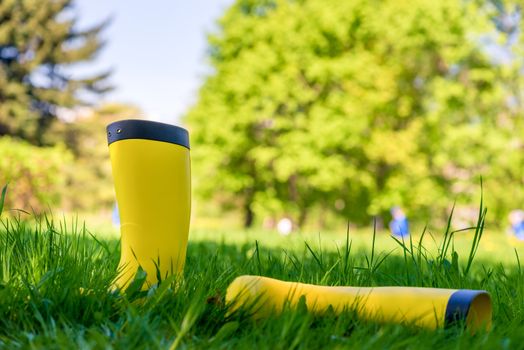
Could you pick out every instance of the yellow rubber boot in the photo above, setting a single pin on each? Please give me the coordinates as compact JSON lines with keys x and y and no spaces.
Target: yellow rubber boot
{"x":429,"y":308}
{"x":152,"y":177}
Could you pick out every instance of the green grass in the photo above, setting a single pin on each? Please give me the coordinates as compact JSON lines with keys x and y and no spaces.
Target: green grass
{"x":55,"y":277}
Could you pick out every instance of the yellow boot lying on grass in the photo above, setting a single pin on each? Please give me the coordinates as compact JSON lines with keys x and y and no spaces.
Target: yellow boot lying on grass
{"x":429,"y":308}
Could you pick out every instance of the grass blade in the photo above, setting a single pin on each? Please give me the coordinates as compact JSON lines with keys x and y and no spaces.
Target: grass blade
{"x":479,"y":230}
{"x":2,"y":198}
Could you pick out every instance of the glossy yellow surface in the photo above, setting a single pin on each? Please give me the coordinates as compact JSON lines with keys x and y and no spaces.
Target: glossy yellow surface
{"x":153,"y":190}
{"x":422,"y":307}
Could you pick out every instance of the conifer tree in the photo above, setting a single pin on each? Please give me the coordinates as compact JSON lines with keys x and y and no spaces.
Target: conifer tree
{"x":39,"y":41}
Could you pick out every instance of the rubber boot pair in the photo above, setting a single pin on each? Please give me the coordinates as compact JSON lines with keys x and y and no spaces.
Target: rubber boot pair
{"x":152,"y":177}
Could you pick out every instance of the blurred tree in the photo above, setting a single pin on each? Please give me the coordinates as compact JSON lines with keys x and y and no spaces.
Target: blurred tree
{"x":86,"y":137}
{"x":75,"y":174}
{"x":36,"y":176}
{"x":481,"y":106}
{"x":366,"y":104}
{"x":39,"y":39}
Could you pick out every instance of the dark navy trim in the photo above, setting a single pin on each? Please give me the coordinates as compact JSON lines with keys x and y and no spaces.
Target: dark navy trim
{"x":458,"y":306}
{"x":148,"y":130}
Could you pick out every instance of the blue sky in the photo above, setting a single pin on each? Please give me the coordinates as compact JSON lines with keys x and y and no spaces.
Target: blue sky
{"x":157,"y":49}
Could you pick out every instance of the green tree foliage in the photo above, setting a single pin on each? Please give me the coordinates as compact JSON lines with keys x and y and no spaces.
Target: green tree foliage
{"x":90,"y":186}
{"x":36,"y":176}
{"x":367,"y":104}
{"x":39,"y":40}
{"x":74,"y":175}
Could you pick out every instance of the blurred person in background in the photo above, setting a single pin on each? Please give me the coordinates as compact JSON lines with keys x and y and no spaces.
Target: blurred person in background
{"x":399,"y":225}
{"x":285,"y":226}
{"x":516,"y":219}
{"x":115,"y":216}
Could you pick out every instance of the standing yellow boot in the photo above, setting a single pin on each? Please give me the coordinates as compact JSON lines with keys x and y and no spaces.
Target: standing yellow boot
{"x":152,"y":177}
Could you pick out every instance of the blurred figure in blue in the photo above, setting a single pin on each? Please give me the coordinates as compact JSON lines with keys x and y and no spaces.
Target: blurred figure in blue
{"x":115,"y":216}
{"x":399,"y":226}
{"x":516,"y":219}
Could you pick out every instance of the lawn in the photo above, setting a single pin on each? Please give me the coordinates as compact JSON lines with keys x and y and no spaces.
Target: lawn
{"x":55,"y":278}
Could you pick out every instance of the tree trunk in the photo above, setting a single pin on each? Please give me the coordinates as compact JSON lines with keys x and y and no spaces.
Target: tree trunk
{"x":302,"y":217}
{"x":249,"y":196}
{"x":249,"y":216}
{"x":4,"y":129}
